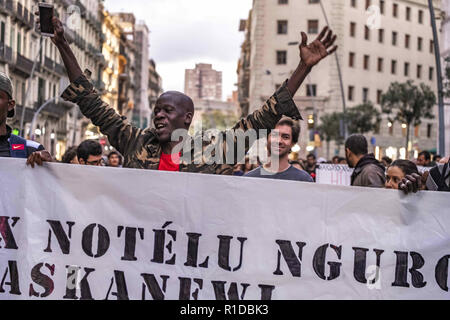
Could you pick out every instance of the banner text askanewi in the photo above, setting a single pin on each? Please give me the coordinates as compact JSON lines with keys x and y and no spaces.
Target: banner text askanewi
{"x":78,"y":281}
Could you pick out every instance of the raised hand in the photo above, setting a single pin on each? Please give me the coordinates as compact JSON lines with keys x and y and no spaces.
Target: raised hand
{"x":319,"y":49}
{"x":58,"y":37}
{"x":411,"y":184}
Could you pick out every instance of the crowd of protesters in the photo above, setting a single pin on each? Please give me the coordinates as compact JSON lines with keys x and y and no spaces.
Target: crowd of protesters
{"x":154,"y":149}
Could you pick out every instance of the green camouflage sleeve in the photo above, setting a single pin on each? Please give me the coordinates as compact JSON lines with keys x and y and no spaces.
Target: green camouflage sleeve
{"x":266,"y":118}
{"x":120,"y":133}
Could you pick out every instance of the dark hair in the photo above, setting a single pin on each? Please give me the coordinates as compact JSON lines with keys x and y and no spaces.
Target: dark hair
{"x":89,"y":148}
{"x":388,"y":160}
{"x":406,"y":166}
{"x":311,"y":155}
{"x":69,"y":155}
{"x":357,"y":144}
{"x":426,"y":154}
{"x":437,"y":157}
{"x":294,"y":126}
{"x":112,"y":153}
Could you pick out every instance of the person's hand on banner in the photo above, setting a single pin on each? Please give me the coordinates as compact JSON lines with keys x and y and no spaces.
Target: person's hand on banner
{"x":39,"y":158}
{"x":411,"y":184}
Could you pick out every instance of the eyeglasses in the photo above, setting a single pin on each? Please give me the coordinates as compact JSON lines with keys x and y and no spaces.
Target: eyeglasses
{"x":94,"y":163}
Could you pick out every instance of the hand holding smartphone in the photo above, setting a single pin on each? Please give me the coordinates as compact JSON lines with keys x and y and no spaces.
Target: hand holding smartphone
{"x":45,"y":17}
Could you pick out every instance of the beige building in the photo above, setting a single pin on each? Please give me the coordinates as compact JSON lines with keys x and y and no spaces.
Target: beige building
{"x":154,"y":84}
{"x":57,"y":126}
{"x":400,"y":49}
{"x":203,"y":82}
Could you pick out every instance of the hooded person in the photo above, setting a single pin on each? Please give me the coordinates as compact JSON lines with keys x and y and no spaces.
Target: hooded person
{"x":12,"y":146}
{"x":369,"y":172}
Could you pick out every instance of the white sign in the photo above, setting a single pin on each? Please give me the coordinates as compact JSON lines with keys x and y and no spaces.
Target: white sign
{"x":71,"y":232}
{"x":339,"y":175}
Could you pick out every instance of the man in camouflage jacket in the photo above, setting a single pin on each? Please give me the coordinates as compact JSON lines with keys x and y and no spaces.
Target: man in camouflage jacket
{"x":144,"y":149}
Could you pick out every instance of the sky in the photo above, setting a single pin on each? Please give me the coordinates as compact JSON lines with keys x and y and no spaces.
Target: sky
{"x":186,"y":32}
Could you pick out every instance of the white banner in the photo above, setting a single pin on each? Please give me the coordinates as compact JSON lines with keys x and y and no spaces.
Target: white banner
{"x":339,"y":175}
{"x":71,"y":232}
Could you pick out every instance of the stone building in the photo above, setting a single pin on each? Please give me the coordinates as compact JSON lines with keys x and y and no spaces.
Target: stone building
{"x":400,"y":49}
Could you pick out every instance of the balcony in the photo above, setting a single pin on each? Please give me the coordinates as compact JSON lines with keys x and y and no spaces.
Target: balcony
{"x":22,"y":65}
{"x":29,"y":113}
{"x":6,"y":6}
{"x":5,"y":53}
{"x":49,"y":64}
{"x":60,"y":69}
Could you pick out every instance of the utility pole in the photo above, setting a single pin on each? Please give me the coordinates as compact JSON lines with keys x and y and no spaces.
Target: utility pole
{"x":437,"y":54}
{"x":344,"y":104}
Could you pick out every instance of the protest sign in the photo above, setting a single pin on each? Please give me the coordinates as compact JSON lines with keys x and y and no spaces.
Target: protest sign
{"x":340,"y":175}
{"x":79,"y":232}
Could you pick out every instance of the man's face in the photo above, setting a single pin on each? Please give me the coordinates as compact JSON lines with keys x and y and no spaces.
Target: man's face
{"x":280,"y":141}
{"x":168,"y":117}
{"x":422,"y":161}
{"x":6,"y":104}
{"x":114,"y":160}
{"x":311,"y":161}
{"x":92,"y":161}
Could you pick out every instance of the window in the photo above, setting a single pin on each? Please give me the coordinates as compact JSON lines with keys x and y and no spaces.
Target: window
{"x":408,"y":13}
{"x":431,"y":46}
{"x":353,"y":3}
{"x":382,"y":6}
{"x":419,"y":43}
{"x":416,"y":131}
{"x":366,"y":62}
{"x":395,"y":10}
{"x":420,"y":16}
{"x":394,"y":67}
{"x":311,"y":90}
{"x":366,"y":33}
{"x":419,"y":71}
{"x":365,"y":95}
{"x":394,"y":38}
{"x":367,"y":4}
{"x":430,"y":73}
{"x":313,"y":1}
{"x":407,"y":37}
{"x":380,"y":65}
{"x":2,"y":32}
{"x":379,"y":95}
{"x":381,"y":35}
{"x":351,"y":59}
{"x":282,"y":27}
{"x":351,"y":90}
{"x":352,"y":29}
{"x":429,"y":130}
{"x":281,"y":57}
{"x":313,"y":26}
{"x":19,"y":42}
{"x":282,"y":1}
{"x":406,"y":71}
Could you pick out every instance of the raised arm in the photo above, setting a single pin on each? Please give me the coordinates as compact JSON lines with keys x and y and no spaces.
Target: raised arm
{"x":120,"y":133}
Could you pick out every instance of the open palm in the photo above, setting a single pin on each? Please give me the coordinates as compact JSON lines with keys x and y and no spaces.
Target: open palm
{"x":311,"y":54}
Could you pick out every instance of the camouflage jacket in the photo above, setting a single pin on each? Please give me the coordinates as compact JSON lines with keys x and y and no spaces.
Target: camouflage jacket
{"x":141,"y":148}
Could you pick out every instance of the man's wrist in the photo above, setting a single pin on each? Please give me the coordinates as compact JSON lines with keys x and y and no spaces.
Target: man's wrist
{"x":62,"y":44}
{"x":302,"y":66}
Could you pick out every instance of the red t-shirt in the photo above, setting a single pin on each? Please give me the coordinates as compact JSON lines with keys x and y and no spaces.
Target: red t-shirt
{"x":169,"y":162}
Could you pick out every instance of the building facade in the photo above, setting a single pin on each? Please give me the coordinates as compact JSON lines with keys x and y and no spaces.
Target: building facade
{"x":23,"y":50}
{"x":154,"y":84}
{"x":203,"y":82}
{"x":400,"y":49}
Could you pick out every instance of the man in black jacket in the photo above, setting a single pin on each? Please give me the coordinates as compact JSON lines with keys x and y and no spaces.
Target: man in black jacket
{"x":12,"y":146}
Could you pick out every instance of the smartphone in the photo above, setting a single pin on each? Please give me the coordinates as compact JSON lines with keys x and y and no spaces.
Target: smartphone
{"x":45,"y":16}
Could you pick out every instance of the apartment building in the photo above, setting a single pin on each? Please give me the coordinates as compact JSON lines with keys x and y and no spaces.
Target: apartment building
{"x":58,"y":125}
{"x":203,"y":82}
{"x":400,"y":49}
